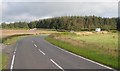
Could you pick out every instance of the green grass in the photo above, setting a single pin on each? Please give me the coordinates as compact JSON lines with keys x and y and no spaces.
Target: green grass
{"x":0,"y":61}
{"x":5,"y":59}
{"x":107,"y":40}
{"x":12,"y":39}
{"x":109,"y":60}
{"x":105,"y":43}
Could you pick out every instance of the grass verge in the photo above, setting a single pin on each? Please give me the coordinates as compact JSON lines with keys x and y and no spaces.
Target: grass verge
{"x":0,"y":61}
{"x":4,"y":58}
{"x":88,"y":53}
{"x":12,"y":39}
{"x":3,"y":61}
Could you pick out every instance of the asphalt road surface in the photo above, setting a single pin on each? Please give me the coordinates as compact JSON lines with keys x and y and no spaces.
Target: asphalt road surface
{"x":36,"y":53}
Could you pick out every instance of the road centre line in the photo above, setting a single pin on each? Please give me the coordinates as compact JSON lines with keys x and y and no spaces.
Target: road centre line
{"x":57,"y":64}
{"x":13,"y":59}
{"x":41,"y":52}
{"x":35,"y":45}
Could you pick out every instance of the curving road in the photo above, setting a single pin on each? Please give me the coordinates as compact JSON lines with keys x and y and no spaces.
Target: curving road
{"x":36,"y":53}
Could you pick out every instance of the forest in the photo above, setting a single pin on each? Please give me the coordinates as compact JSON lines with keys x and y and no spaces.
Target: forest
{"x":76,"y":23}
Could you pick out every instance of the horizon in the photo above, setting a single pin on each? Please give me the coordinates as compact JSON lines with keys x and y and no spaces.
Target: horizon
{"x":49,"y":18}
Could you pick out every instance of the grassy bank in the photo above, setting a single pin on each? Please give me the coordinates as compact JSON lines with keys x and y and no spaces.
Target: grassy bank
{"x":12,"y":39}
{"x":85,"y":48}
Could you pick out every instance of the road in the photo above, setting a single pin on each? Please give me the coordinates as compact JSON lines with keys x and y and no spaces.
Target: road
{"x":36,"y":53}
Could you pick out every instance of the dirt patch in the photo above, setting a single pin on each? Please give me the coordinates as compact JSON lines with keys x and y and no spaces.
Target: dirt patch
{"x":90,"y":33}
{"x":103,"y":32}
{"x":71,"y":41}
{"x":84,"y":33}
{"x":5,"y":32}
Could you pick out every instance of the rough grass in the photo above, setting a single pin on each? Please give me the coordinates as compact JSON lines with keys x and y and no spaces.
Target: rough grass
{"x":5,"y":59}
{"x":0,"y":61}
{"x":105,"y":43}
{"x":12,"y":39}
{"x":104,"y":39}
{"x":89,"y":49}
{"x":9,"y":32}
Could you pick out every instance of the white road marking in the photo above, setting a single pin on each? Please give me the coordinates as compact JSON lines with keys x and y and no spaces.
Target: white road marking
{"x":15,"y":49}
{"x":57,"y":64}
{"x":35,"y":45}
{"x":32,"y":41}
{"x":14,"y":52}
{"x":87,"y":59}
{"x":42,"y":52}
{"x":13,"y":58}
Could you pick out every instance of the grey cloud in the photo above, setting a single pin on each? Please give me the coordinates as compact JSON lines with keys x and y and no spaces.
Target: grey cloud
{"x":27,"y":11}
{"x":60,"y":0}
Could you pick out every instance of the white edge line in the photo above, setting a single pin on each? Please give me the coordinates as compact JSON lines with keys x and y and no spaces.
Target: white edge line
{"x":15,"y":49}
{"x":57,"y":64}
{"x":41,"y":52}
{"x":35,"y":45}
{"x":13,"y":58}
{"x":86,"y":59}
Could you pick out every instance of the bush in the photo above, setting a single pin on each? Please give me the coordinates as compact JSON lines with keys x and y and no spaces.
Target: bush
{"x":113,"y":31}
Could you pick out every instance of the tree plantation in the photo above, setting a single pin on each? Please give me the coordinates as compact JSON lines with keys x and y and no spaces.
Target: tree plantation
{"x":76,"y":23}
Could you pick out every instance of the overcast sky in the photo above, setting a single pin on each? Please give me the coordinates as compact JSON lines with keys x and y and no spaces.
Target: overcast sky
{"x":22,"y":10}
{"x":60,"y":0}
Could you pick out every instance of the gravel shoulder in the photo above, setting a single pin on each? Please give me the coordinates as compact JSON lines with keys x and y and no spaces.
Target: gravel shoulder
{"x":2,"y":46}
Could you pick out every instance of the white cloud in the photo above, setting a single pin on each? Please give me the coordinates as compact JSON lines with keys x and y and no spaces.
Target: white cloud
{"x":28,"y":11}
{"x":23,"y":17}
{"x":46,"y":17}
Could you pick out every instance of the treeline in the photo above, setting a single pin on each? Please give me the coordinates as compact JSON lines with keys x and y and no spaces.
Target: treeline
{"x":76,"y":23}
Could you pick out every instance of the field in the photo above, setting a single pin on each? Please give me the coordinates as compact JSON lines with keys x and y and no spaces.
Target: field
{"x":7,"y":32}
{"x":100,"y":47}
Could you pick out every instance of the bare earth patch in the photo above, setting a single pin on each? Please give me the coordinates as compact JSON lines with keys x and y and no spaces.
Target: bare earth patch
{"x":86,"y":33}
{"x":6,"y":32}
